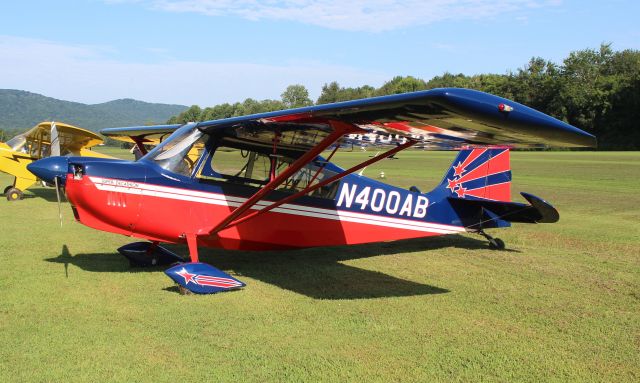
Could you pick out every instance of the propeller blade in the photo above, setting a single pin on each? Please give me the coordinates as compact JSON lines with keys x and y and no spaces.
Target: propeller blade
{"x":55,"y":141}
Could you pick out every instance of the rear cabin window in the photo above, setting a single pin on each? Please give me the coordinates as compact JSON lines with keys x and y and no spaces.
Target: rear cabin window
{"x":252,"y":168}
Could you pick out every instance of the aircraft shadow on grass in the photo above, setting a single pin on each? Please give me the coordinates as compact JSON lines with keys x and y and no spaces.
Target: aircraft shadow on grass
{"x":317,"y":273}
{"x":47,"y":194}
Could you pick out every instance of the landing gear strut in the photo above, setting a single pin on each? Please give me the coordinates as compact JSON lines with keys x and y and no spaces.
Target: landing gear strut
{"x":494,"y":243}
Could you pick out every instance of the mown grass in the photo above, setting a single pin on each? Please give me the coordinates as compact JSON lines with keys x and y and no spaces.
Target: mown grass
{"x":563,"y":304}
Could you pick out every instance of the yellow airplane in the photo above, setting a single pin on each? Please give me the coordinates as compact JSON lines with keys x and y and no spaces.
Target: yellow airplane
{"x":43,"y":140}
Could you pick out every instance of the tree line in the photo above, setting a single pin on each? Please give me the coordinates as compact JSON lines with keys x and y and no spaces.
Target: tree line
{"x":597,"y":90}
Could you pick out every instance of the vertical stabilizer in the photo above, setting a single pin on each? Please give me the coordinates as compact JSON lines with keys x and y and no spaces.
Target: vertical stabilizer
{"x":480,"y":173}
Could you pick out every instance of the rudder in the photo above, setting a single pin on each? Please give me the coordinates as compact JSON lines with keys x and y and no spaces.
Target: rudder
{"x":479,"y":173}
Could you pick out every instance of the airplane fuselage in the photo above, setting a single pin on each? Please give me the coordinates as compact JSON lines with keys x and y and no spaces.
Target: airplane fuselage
{"x":159,"y":206}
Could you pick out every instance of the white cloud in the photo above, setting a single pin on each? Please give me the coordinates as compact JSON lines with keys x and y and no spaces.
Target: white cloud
{"x":88,"y":74}
{"x":355,"y":15}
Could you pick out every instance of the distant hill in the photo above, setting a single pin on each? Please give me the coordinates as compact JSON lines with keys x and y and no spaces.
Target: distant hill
{"x":20,"y":110}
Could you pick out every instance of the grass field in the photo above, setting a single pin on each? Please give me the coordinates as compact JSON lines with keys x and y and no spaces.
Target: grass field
{"x":562,"y":304}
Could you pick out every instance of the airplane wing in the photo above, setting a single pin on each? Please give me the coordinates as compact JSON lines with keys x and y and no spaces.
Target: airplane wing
{"x":74,"y":140}
{"x":144,"y":135}
{"x":151,"y":135}
{"x":447,"y":118}
{"x":71,"y":139}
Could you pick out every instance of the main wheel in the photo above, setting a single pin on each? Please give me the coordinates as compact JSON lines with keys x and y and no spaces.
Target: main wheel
{"x":7,"y":189}
{"x":14,"y":194}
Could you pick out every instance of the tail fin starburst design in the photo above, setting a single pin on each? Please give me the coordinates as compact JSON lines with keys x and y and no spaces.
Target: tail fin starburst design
{"x":480,"y":173}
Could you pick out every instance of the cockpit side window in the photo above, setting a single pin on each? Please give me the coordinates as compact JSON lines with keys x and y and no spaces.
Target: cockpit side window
{"x":251,"y":168}
{"x":236,"y":166}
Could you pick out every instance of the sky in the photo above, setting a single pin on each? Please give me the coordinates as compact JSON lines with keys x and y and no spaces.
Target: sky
{"x":206,"y":52}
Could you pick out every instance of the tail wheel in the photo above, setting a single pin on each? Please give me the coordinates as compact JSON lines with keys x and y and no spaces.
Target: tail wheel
{"x":14,"y":194}
{"x":7,"y":189}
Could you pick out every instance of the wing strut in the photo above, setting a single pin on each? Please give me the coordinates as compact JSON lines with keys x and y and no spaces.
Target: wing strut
{"x":320,"y":184}
{"x":140,"y":144}
{"x":340,"y":129}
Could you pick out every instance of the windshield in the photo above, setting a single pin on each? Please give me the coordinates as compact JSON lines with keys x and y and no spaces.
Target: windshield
{"x":180,"y":151}
{"x":17,"y":142}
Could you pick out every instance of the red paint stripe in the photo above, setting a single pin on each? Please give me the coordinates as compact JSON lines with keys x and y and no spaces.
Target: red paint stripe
{"x":227,"y":281}
{"x":210,"y":278}
{"x":497,"y":192}
{"x":216,"y":278}
{"x":216,"y":284}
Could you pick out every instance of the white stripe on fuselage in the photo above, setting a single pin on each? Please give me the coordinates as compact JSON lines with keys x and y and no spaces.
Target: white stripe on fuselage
{"x":129,"y":187}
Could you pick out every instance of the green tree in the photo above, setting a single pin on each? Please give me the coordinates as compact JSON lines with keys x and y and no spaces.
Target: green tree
{"x":401,"y":84}
{"x":585,"y":88}
{"x":332,"y":92}
{"x":218,"y":112}
{"x":296,"y":96}
{"x":449,"y":80}
{"x":193,"y":114}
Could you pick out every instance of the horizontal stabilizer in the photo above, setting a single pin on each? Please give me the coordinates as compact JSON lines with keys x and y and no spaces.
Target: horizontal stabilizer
{"x":478,"y":213}
{"x":202,"y":278}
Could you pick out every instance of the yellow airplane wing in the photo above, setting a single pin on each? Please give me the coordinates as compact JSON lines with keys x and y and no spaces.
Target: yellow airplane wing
{"x":140,"y":136}
{"x":71,"y":138}
{"x":148,"y":135}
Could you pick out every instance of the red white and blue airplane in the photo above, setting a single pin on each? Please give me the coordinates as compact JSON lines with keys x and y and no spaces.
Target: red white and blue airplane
{"x":261,"y":182}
